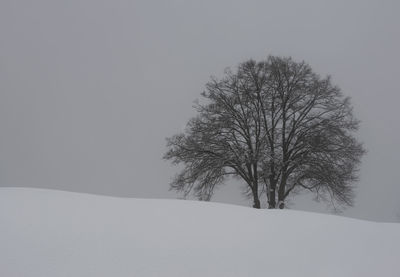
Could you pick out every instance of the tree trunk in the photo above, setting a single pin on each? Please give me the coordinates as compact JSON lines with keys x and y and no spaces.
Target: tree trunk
{"x":281,"y":193}
{"x":256,"y":199}
{"x":272,"y":193}
{"x":272,"y":201}
{"x":257,"y":204}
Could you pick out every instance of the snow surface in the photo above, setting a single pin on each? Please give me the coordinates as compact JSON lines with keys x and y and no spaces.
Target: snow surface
{"x":45,"y":233}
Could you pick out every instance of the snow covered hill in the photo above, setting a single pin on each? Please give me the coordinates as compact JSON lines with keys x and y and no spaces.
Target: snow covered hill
{"x":46,"y":233}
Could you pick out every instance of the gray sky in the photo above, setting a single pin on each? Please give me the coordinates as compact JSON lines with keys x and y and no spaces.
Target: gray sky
{"x":90,"y":89}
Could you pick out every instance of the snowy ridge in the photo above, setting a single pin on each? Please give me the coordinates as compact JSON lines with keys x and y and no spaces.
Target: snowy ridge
{"x":54,"y":233}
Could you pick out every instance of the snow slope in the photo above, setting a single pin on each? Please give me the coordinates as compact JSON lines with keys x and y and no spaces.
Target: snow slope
{"x":46,"y":233}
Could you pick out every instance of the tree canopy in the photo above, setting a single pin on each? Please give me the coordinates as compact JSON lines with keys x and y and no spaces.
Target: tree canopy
{"x":276,"y":125}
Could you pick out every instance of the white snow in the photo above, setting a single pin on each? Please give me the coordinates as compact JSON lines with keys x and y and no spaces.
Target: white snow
{"x":46,"y":233}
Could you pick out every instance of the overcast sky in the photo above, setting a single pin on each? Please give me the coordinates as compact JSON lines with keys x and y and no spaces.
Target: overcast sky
{"x":90,"y":89}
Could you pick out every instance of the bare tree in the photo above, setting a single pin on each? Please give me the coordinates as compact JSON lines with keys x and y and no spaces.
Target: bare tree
{"x":279,"y":127}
